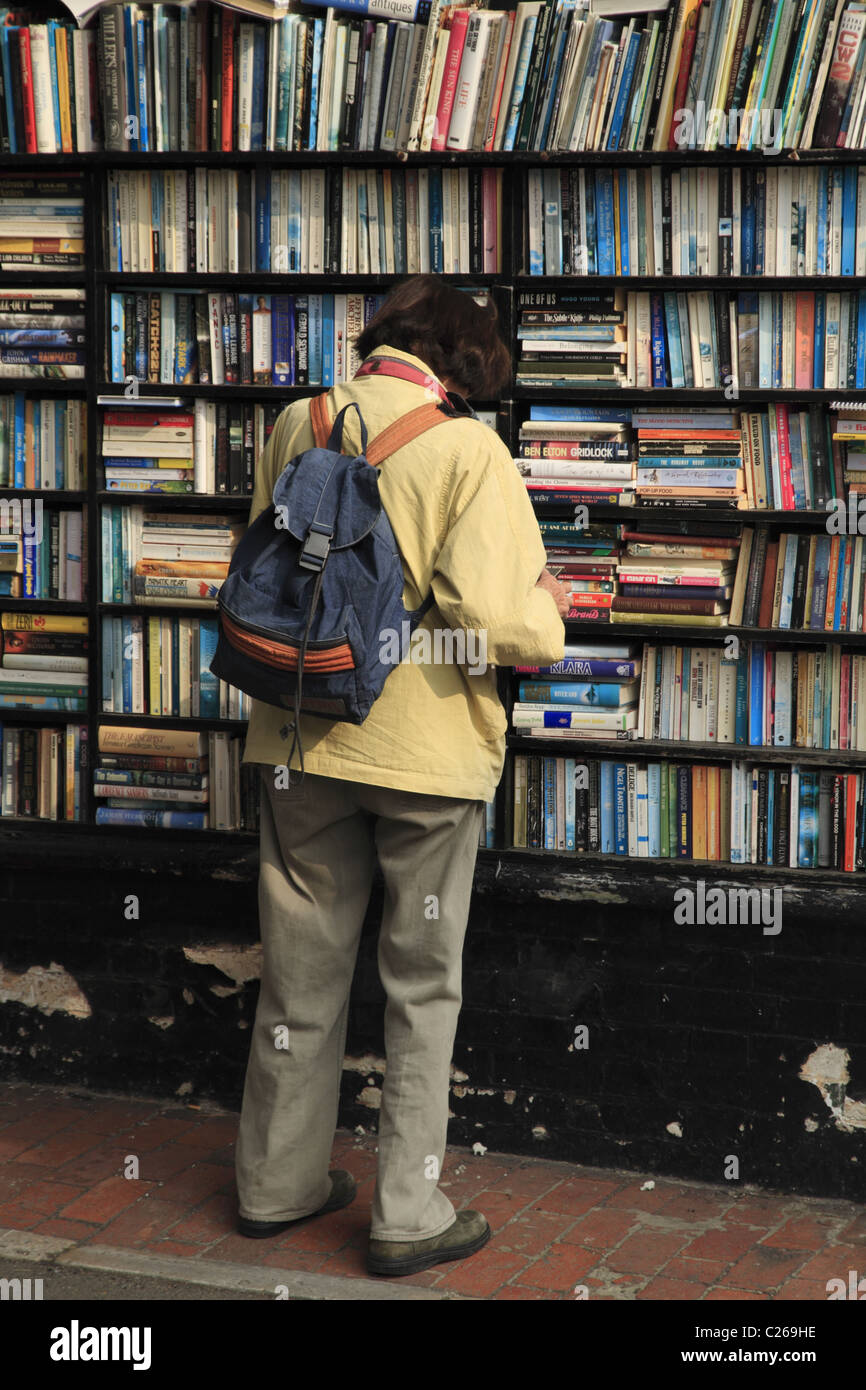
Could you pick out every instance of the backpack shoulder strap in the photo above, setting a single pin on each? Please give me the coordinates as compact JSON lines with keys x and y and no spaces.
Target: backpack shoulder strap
{"x":320,"y":419}
{"x":404,"y":430}
{"x":392,"y":438}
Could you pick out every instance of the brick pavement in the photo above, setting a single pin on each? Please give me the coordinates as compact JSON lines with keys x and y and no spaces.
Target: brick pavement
{"x":557,"y":1226}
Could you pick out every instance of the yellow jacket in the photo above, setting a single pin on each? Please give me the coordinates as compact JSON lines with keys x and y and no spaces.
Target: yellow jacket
{"x":464,"y":526}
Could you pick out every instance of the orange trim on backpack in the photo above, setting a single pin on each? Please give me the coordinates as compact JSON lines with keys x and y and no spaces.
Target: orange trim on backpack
{"x":284,"y":656}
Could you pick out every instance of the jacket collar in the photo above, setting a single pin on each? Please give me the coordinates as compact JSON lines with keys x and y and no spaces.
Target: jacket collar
{"x":460,"y":404}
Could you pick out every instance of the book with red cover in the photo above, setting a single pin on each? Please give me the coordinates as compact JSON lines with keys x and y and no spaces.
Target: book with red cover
{"x":27,"y":91}
{"x":456,"y":41}
{"x":228,"y":81}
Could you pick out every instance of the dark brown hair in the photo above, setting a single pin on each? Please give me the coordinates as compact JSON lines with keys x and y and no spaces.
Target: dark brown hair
{"x":445,"y":327}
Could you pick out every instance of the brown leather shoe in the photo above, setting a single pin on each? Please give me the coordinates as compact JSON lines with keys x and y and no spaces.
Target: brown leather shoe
{"x":343,"y":1191}
{"x":469,"y":1233}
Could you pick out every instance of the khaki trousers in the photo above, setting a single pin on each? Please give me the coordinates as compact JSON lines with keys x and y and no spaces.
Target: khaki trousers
{"x":319,"y":843}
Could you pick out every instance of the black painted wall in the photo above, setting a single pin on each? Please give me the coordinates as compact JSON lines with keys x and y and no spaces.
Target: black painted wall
{"x":702,"y":1028}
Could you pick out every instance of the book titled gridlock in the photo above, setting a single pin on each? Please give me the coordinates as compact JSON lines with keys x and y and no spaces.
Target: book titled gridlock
{"x":545,"y":75}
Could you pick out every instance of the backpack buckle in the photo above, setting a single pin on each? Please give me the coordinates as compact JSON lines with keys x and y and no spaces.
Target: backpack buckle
{"x":316,"y":547}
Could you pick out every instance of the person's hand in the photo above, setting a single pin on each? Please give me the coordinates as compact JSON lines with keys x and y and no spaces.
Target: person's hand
{"x":561,"y":595}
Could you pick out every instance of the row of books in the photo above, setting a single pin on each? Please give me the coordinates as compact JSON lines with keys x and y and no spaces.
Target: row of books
{"x":761,"y":694}
{"x":40,"y":315}
{"x":161,"y":666}
{"x":788,"y":815}
{"x":707,"y":220}
{"x":43,"y":441}
{"x":48,"y":87}
{"x":305,"y":221}
{"x":793,"y":340}
{"x":174,"y":779}
{"x":41,"y":223}
{"x":776,"y":581}
{"x":226,"y":438}
{"x":44,"y":663}
{"x":217,"y":339}
{"x":556,"y":76}
{"x":800,"y":581}
{"x":791,"y":459}
{"x":43,"y":551}
{"x":43,"y":772}
{"x":765,"y":696}
{"x":165,"y":557}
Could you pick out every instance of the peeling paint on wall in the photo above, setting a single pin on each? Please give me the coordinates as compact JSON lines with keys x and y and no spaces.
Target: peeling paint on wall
{"x":49,"y":990}
{"x":165,"y":1021}
{"x":827,"y":1068}
{"x":237,"y":963}
{"x":370,"y":1096}
{"x":567,"y":895}
{"x":365,"y":1064}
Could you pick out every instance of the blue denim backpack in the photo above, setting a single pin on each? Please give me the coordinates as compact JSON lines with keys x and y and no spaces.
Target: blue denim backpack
{"x":316,"y":583}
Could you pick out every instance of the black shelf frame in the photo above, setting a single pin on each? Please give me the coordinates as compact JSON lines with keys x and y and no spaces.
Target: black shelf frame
{"x":385,"y":158}
{"x":506,"y":285}
{"x":683,"y":751}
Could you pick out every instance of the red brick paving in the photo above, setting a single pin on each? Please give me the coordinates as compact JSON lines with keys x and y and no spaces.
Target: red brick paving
{"x":556,"y":1225}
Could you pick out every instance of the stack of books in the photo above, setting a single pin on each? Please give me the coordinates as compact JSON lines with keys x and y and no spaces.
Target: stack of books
{"x":580,"y":461}
{"x":686,"y":580}
{"x":44,"y":661}
{"x":173,"y":778}
{"x":183,"y":559}
{"x":848,"y":435}
{"x":572,"y":339}
{"x":689,"y":458}
{"x":585,"y":560}
{"x":41,"y":331}
{"x":592,"y":693}
{"x":222,"y":339}
{"x":41,"y":226}
{"x":166,"y":557}
{"x":43,"y":442}
{"x":43,"y":772}
{"x":142,"y":450}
